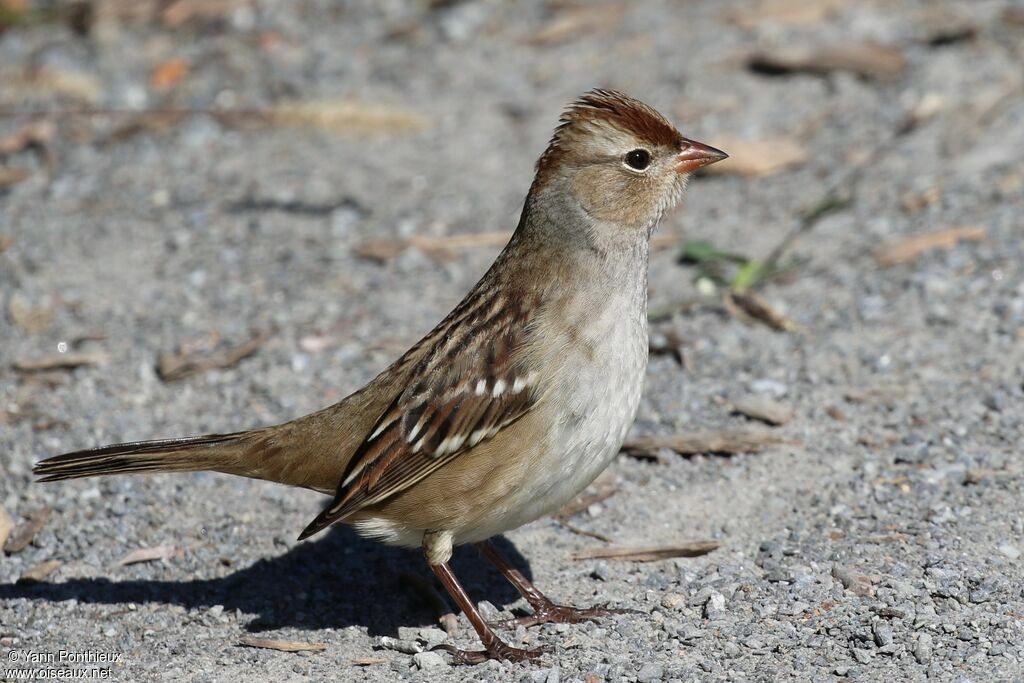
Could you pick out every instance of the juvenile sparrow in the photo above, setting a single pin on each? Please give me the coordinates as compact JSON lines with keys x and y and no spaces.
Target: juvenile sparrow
{"x":515,"y":402}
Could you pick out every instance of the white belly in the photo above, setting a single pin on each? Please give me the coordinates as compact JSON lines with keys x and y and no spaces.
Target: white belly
{"x":598,"y":401}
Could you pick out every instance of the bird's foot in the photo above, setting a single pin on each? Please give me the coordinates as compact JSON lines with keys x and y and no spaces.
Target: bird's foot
{"x":497,"y":650}
{"x":553,"y":613}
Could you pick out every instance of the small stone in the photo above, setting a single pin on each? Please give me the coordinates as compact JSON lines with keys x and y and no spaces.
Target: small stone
{"x":672,"y":600}
{"x":428,"y":660}
{"x":769,"y":386}
{"x":432,"y":636}
{"x":853,"y":581}
{"x":762,"y":408}
{"x":689,"y":634}
{"x":841,"y":670}
{"x":488,"y":611}
{"x":1009,"y":550}
{"x":754,"y":643}
{"x":552,"y":675}
{"x":650,"y":672}
{"x":882,"y":633}
{"x":715,"y":605}
{"x":995,"y":402}
{"x":923,"y":648}
{"x":601,"y":571}
{"x":862,"y":656}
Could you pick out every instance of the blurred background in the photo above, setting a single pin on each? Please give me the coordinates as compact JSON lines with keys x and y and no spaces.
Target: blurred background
{"x":216,"y":214}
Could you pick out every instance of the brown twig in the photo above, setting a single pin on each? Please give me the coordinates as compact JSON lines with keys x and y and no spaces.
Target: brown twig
{"x":648,"y":554}
{"x":281,"y":645}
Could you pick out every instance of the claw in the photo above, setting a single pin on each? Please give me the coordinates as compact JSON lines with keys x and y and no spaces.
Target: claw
{"x":552,"y":613}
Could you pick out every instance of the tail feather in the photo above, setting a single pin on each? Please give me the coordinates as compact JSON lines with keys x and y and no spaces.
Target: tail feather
{"x":211,"y":452}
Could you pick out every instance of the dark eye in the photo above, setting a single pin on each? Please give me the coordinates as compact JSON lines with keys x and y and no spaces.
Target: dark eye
{"x":638,"y":159}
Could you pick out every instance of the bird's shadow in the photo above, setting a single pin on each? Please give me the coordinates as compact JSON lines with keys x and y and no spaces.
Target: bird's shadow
{"x":341,"y":580}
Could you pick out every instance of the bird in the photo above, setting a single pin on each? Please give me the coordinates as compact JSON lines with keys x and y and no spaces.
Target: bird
{"x":514,"y":402}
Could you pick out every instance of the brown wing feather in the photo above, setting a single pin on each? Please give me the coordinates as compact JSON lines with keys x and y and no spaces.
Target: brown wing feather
{"x":468,"y":387}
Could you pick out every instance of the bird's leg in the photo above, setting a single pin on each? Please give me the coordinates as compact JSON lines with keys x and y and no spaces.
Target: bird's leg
{"x":494,"y":647}
{"x":545,"y":610}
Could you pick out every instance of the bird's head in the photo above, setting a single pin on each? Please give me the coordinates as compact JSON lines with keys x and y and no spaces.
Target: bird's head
{"x":620,"y":161}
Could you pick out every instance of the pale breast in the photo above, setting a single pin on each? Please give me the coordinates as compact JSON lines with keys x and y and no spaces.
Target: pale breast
{"x":590,"y":359}
{"x":593,"y":397}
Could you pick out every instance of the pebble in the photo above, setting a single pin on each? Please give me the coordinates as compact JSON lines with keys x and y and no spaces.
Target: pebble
{"x":428,"y":660}
{"x":882,"y":633}
{"x":853,"y":581}
{"x":923,"y":648}
{"x":771,"y":387}
{"x":601,"y":571}
{"x":1009,"y":550}
{"x":715,"y":606}
{"x":488,"y":611}
{"x":552,"y":675}
{"x":672,"y":600}
{"x":650,"y":672}
{"x":432,"y":636}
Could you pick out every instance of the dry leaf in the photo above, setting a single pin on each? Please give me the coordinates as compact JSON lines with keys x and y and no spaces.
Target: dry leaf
{"x":980,"y":474}
{"x":281,"y":645}
{"x":146,"y":122}
{"x":380,"y":249}
{"x":180,"y":12}
{"x":169,"y":74}
{"x":909,"y":248}
{"x":26,"y":531}
{"x":37,"y":134}
{"x":764,"y":409}
{"x":578,"y":21}
{"x":43,"y":82}
{"x":693,"y":443}
{"x":160,"y":552}
{"x":32,"y":320}
{"x":749,"y":306}
{"x":429,"y":243}
{"x":1014,"y":15}
{"x":39,"y":571}
{"x":797,"y":12}
{"x":6,"y":526}
{"x":186,"y":362}
{"x":648,"y":554}
{"x":60,"y":361}
{"x":318,"y":343}
{"x":912,"y":202}
{"x":755,"y":158}
{"x":870,"y":60}
{"x":12,"y":176}
{"x":348,"y":117}
{"x":368,"y":661}
{"x":6,"y":241}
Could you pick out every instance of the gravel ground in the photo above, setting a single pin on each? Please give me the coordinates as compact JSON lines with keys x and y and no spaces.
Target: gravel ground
{"x":881,"y":541}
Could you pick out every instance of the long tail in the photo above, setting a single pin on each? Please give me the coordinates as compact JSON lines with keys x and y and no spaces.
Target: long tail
{"x":217,"y":452}
{"x":311,"y":452}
